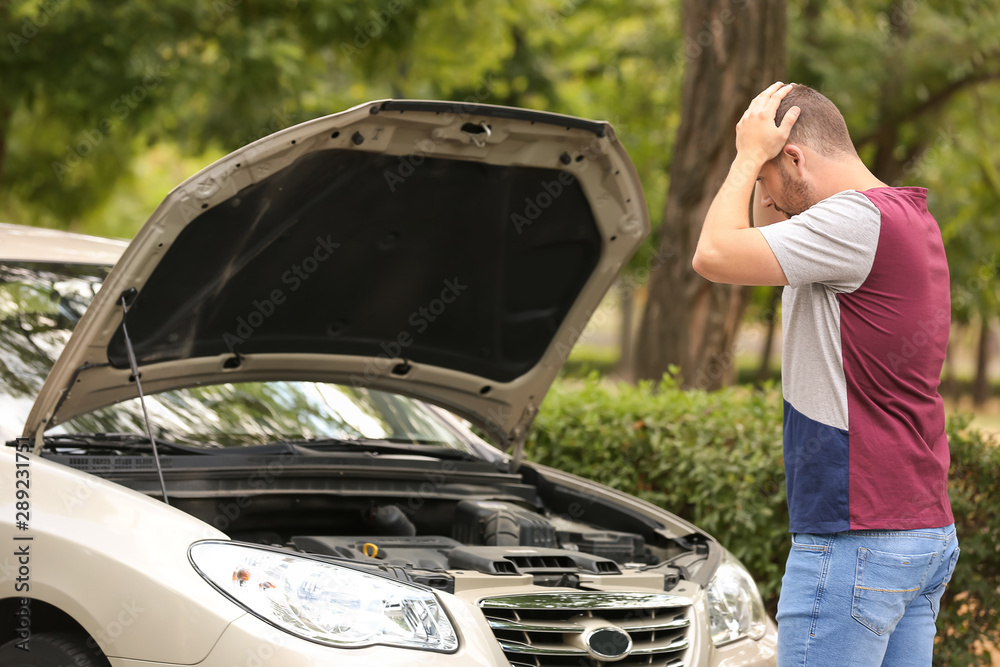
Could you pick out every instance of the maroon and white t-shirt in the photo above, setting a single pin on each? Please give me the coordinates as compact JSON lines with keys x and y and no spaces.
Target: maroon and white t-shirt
{"x":865,"y":317}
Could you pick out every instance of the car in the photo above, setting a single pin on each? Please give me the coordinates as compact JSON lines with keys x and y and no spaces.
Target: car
{"x":284,"y":425}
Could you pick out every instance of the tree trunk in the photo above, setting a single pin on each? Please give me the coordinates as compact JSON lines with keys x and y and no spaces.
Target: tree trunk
{"x":625,"y":369}
{"x":734,"y":49}
{"x":770,"y":318}
{"x":6,"y":106}
{"x":885,"y":164}
{"x":981,"y":383}
{"x":950,"y":386}
{"x":5,"y":114}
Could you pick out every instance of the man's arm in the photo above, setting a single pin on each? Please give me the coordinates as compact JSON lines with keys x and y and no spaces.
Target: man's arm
{"x":729,"y":250}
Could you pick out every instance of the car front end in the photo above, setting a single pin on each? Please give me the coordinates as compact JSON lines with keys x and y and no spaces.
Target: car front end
{"x":263,"y":442}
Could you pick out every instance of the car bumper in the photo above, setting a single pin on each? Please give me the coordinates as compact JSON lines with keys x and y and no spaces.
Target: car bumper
{"x":249,"y":642}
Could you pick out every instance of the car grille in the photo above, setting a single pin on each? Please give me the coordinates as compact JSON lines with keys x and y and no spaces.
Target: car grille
{"x":552,"y":629}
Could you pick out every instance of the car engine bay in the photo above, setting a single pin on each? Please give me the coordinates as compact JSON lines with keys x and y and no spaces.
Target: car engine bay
{"x":442,"y":524}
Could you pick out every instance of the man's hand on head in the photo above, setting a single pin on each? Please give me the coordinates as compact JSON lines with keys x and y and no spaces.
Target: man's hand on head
{"x":757,"y":137}
{"x":729,"y":250}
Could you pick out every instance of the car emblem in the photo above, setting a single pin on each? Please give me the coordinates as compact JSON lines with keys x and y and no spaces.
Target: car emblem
{"x":609,"y":643}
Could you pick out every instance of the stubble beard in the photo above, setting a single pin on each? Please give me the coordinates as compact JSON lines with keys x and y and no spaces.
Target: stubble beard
{"x":797,"y":194}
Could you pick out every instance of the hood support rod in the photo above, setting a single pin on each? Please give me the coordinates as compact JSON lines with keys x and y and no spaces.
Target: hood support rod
{"x":138,"y":385}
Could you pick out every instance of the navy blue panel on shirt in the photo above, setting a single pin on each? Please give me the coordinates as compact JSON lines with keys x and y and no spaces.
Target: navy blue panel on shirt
{"x":817,"y":462}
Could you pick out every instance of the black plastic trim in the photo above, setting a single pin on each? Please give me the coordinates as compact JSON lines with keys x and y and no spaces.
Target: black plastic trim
{"x":597,"y":128}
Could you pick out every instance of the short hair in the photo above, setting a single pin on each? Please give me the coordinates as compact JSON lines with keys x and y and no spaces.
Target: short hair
{"x":820,"y":126}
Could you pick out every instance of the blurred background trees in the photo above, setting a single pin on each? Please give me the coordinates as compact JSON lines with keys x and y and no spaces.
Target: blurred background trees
{"x":107,"y":104}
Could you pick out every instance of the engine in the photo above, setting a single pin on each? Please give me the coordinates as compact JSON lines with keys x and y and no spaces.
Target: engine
{"x":488,"y":537}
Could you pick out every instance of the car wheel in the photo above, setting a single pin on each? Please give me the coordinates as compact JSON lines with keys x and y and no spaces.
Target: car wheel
{"x":53,"y":649}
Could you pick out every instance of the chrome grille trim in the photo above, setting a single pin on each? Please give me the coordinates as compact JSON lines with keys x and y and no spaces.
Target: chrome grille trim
{"x":678,"y":644}
{"x":584,"y":601}
{"x":674,"y":624}
{"x":545,"y":628}
{"x":539,"y":649}
{"x":568,"y":626}
{"x":503,"y":624}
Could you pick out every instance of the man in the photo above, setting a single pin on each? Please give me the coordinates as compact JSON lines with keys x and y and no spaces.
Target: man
{"x":865,"y":316}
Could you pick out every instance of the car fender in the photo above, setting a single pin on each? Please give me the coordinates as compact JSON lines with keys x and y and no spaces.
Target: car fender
{"x":114,"y":560}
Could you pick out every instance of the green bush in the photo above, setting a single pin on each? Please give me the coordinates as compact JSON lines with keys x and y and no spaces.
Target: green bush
{"x":969,"y":611}
{"x":716,"y":460}
{"x":585,"y":359}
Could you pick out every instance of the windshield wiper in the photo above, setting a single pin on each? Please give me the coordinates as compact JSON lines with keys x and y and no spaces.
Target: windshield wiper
{"x":120,"y":442}
{"x":382,"y":447}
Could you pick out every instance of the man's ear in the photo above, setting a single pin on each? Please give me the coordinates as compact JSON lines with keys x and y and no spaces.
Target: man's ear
{"x":794,"y":156}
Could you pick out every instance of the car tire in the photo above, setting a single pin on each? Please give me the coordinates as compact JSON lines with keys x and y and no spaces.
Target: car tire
{"x":53,"y":649}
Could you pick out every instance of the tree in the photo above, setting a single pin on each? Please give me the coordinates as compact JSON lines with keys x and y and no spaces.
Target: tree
{"x":929,"y":55}
{"x":964,"y":178}
{"x":922,"y":117}
{"x":734,"y":49}
{"x":895,"y":69}
{"x":90,"y":84}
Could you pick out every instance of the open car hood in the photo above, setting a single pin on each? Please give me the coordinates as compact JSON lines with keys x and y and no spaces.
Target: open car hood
{"x":452,"y":252}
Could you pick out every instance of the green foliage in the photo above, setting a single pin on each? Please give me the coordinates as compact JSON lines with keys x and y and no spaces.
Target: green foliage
{"x":922,"y":116}
{"x":91,"y":84}
{"x":969,"y":611}
{"x":88,"y":85}
{"x":716,"y":460}
{"x":964,"y":173}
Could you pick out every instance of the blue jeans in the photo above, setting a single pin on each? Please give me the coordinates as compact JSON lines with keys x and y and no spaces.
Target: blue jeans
{"x":864,"y":597}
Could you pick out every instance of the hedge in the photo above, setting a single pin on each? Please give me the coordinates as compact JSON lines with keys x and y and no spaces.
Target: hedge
{"x":716,"y":460}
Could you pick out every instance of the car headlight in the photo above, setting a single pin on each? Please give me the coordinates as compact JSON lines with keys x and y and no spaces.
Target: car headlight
{"x":325,"y":602}
{"x":735,"y":609}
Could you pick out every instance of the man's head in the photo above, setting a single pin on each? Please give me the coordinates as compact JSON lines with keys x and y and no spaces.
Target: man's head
{"x":818,"y":144}
{"x":820,"y":125}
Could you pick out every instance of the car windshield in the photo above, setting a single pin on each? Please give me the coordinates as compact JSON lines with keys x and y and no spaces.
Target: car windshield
{"x":41,"y":303}
{"x":39,"y":306}
{"x":254,"y":413}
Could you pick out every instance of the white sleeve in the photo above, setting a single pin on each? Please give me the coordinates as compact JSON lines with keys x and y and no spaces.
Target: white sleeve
{"x":832,"y":242}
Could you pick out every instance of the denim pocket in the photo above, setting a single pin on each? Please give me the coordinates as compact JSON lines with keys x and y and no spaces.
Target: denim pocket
{"x":884,"y":584}
{"x":934,"y":597}
{"x":808,"y":542}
